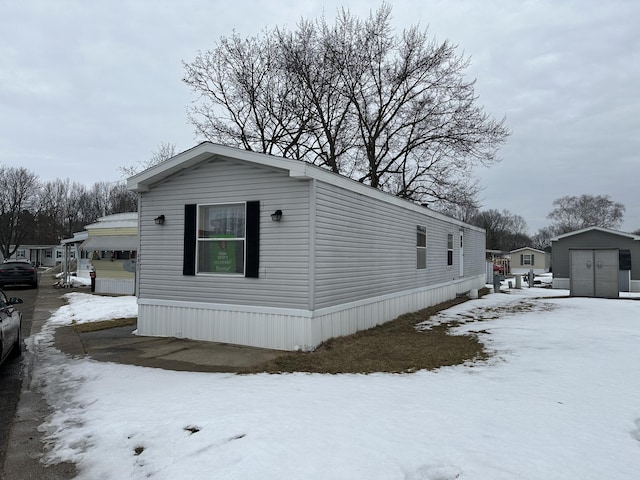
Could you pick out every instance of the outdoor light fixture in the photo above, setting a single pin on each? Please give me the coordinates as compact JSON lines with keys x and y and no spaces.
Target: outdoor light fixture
{"x":276,"y":216}
{"x":159,"y":220}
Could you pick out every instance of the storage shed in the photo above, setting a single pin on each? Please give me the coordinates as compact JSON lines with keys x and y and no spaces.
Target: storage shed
{"x":253,"y":249}
{"x":596,"y":262}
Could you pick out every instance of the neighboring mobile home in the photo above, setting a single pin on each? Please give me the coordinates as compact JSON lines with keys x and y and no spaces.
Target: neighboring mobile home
{"x":526,"y":259}
{"x":253,"y":249}
{"x":596,"y":262}
{"x":39,"y":255}
{"x":110,"y":246}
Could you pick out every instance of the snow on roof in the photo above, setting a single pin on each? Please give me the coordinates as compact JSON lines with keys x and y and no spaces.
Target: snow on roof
{"x":117,"y":220}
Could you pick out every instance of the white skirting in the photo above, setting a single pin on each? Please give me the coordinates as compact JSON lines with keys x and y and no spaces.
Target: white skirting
{"x":561,"y":283}
{"x":564,"y":283}
{"x":121,"y":286}
{"x":286,"y":329}
{"x":520,"y":271}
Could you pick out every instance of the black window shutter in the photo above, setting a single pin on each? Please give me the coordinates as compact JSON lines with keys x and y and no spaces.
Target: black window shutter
{"x":521,"y":259}
{"x":533,"y":261}
{"x":189,"y":262}
{"x":253,"y":239}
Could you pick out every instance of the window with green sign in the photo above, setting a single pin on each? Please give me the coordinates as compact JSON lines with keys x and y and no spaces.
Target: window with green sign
{"x":221,"y":238}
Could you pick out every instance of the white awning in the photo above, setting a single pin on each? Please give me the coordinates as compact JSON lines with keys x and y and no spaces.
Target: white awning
{"x":111,"y":242}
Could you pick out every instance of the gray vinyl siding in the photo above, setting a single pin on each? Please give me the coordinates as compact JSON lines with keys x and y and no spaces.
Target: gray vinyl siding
{"x":284,"y":246}
{"x":474,"y":252}
{"x":333,"y":245}
{"x":366,"y":247}
{"x":594,"y":239}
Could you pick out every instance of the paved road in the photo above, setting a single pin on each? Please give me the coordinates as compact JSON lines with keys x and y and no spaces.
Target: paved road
{"x":11,"y":372}
{"x":24,"y":409}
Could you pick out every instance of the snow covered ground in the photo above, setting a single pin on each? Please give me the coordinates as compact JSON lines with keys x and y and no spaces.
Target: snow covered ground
{"x":560,"y":399}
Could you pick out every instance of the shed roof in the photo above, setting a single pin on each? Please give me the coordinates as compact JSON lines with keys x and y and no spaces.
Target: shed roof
{"x":598,"y":229}
{"x":146,"y":179}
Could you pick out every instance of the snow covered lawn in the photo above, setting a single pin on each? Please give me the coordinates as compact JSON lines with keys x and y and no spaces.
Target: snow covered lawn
{"x":560,"y":399}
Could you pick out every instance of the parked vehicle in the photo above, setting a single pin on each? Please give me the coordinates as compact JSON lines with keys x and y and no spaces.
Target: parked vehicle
{"x":10,"y":327}
{"x":18,"y":272}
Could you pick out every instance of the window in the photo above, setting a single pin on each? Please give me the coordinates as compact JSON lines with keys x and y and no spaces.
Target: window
{"x":207,"y":226}
{"x":624,"y":259}
{"x":421,"y":247}
{"x":48,"y":253}
{"x":221,"y":238}
{"x":58,"y":254}
{"x":526,"y":259}
{"x":21,"y":254}
{"x":450,"y":249}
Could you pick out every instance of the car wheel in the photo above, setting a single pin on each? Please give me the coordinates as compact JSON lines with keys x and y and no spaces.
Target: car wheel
{"x":16,"y":351}
{"x":34,"y":285}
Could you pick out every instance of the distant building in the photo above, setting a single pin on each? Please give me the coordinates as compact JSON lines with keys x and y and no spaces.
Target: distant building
{"x":596,"y":262}
{"x":39,"y":255}
{"x":106,"y":247}
{"x":523,"y":260}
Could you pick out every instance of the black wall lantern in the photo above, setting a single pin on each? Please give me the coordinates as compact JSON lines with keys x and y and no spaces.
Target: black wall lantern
{"x":276,"y":216}
{"x":159,"y":220}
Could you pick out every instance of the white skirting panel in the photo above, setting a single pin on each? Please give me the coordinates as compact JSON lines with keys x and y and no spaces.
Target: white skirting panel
{"x":120,"y":286}
{"x":285,"y":329}
{"x":562,"y":283}
{"x":520,"y":271}
{"x":634,"y":285}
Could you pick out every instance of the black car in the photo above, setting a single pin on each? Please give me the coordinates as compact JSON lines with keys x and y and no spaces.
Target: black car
{"x":10,"y":327}
{"x":17,"y":272}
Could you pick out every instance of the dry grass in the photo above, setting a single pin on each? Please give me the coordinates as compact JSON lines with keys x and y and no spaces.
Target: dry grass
{"x":394,"y":347}
{"x":95,"y":326}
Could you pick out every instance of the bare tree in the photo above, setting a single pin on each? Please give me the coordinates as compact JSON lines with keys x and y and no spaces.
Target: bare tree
{"x":504,"y":230}
{"x":164,"y":152}
{"x":121,"y":199}
{"x":106,"y":198}
{"x":18,"y":197}
{"x":542,"y":239}
{"x":465,"y":212}
{"x":60,"y":212}
{"x":577,"y":212}
{"x":392,"y":112}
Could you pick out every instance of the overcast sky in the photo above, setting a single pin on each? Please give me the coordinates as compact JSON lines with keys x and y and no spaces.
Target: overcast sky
{"x":87,"y":87}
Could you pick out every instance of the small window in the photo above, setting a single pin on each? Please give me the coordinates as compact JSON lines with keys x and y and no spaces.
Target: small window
{"x":450,"y":249}
{"x":421,"y":247}
{"x":221,"y":238}
{"x":624,"y":259}
{"x":526,"y":260}
{"x":21,"y":254}
{"x":58,"y":254}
